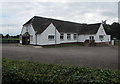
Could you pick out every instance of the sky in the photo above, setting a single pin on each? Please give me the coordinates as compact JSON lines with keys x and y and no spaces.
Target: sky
{"x":14,"y":14}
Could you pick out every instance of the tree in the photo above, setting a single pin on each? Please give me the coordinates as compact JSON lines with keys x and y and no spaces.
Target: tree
{"x":107,"y":28}
{"x":115,"y":30}
{"x":7,"y":36}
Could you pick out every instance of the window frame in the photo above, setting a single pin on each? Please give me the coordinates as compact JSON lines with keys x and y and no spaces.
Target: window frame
{"x":101,"y":38}
{"x":61,"y":36}
{"x":68,"y":36}
{"x":51,"y":37}
{"x":91,"y":37}
{"x":75,"y":36}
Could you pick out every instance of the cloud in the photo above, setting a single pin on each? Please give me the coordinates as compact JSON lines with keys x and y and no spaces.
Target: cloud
{"x":63,"y":1}
{"x":15,"y":14}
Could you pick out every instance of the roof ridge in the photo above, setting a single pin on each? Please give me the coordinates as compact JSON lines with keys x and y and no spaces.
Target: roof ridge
{"x":58,"y":20}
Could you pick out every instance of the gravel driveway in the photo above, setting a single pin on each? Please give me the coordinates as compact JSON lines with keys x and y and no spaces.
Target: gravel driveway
{"x":100,"y":57}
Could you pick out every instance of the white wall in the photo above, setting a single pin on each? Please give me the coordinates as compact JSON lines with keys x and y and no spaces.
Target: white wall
{"x":42,"y":39}
{"x":106,"y":38}
{"x":24,"y":29}
{"x":32,"y":33}
{"x":65,"y":40}
{"x":28,"y":28}
{"x":82,"y":38}
{"x":22,"y":32}
{"x":100,"y":31}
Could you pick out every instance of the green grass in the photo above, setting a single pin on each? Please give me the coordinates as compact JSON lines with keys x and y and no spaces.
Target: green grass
{"x":117,"y":43}
{"x":27,"y":72}
{"x":9,"y":39}
{"x":62,"y":45}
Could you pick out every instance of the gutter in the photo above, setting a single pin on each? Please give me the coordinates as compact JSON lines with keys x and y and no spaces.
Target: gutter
{"x":36,"y":37}
{"x":55,"y":37}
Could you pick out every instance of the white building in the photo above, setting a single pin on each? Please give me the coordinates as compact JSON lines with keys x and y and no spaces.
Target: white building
{"x":47,"y":31}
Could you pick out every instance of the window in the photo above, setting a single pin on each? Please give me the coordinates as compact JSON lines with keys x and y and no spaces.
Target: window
{"x":68,"y":36}
{"x":101,"y":37}
{"x":51,"y":37}
{"x":61,"y":36}
{"x":91,"y":37}
{"x":31,"y":38}
{"x":75,"y":36}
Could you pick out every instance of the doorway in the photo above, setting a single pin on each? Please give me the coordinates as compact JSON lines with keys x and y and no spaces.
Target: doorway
{"x":26,"y":38}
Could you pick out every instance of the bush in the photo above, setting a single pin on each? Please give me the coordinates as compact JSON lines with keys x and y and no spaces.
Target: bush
{"x":117,"y":42}
{"x":26,"y":72}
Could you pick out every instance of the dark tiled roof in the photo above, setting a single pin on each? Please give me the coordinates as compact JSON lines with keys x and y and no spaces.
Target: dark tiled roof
{"x":90,"y":28}
{"x":40,"y":24}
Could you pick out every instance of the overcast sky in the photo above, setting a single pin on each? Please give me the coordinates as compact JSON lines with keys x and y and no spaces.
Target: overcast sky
{"x":15,"y":14}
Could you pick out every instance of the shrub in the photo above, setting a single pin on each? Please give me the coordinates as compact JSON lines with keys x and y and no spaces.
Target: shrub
{"x":27,"y":72}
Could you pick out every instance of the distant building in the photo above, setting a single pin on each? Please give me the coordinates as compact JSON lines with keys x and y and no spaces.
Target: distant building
{"x":47,"y":31}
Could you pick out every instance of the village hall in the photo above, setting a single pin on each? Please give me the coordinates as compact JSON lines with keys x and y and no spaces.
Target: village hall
{"x":48,"y":31}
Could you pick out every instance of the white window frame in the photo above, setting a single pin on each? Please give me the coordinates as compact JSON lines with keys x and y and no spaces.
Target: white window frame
{"x":101,"y":38}
{"x":68,"y":36}
{"x":51,"y":37}
{"x":91,"y":37}
{"x":61,"y":36}
{"x":74,"y":36}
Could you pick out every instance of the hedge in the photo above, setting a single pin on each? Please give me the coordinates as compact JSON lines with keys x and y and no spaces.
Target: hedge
{"x":117,"y":42}
{"x":9,"y":40}
{"x":27,"y":72}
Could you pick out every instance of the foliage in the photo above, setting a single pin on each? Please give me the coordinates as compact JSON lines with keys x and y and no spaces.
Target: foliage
{"x":117,"y":42}
{"x":113,"y":30}
{"x":9,"y":36}
{"x":27,"y":72}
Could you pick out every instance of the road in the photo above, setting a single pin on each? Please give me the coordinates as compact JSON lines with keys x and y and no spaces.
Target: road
{"x":99,"y":57}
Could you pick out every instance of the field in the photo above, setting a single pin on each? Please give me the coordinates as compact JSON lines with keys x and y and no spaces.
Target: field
{"x":9,"y":40}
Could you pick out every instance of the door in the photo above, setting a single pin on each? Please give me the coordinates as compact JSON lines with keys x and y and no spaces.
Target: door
{"x":25,"y":40}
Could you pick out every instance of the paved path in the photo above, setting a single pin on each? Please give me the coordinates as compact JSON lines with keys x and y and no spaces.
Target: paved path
{"x":101,"y":57}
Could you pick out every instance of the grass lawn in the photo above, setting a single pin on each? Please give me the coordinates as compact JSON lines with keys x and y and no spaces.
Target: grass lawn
{"x":62,"y":45}
{"x":117,"y":42}
{"x":27,"y":72}
{"x":9,"y":39}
